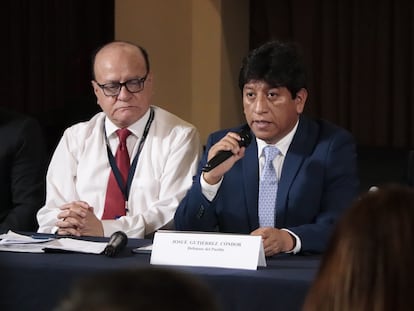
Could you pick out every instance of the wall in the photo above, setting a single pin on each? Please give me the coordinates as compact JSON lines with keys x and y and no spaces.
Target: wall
{"x":195,"y":48}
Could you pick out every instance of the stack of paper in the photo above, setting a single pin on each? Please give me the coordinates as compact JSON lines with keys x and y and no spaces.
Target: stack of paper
{"x":14,"y":242}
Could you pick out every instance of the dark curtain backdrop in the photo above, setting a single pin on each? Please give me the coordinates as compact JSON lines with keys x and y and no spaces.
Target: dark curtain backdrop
{"x":360,"y":55}
{"x":46,"y":49}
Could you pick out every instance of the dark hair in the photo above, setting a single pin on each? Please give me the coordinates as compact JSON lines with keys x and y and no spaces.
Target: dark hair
{"x":145,"y":288}
{"x":278,"y":64}
{"x":142,"y":49}
{"x":369,"y":262}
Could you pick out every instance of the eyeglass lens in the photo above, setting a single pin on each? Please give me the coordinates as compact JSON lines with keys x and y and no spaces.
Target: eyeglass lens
{"x":133,"y":86}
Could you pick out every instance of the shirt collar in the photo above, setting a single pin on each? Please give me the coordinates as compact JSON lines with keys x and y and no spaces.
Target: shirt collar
{"x":283,"y":144}
{"x":136,"y":128}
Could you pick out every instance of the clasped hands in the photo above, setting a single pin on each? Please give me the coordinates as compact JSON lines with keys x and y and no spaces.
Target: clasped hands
{"x":77,"y":218}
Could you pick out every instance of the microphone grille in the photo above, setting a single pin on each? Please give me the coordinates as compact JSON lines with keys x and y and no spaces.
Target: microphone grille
{"x":246,"y":136}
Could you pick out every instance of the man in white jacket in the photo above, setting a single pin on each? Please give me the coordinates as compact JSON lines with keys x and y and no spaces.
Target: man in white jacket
{"x":163,"y":149}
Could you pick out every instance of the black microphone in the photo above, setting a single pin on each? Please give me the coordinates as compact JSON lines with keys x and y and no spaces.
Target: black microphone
{"x":117,"y":242}
{"x":223,"y":155}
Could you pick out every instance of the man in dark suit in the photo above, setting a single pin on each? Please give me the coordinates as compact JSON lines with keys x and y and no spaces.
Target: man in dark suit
{"x":22,"y":171}
{"x":314,"y":170}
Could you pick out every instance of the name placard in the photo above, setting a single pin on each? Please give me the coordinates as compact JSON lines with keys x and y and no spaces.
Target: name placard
{"x":180,"y":248}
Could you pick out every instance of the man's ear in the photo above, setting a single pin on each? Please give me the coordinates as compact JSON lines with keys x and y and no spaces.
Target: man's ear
{"x":300,"y":100}
{"x":95,"y":87}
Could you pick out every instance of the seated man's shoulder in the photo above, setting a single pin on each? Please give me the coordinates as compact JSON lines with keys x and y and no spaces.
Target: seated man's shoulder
{"x":170,"y":121}
{"x":328,"y":128}
{"x":11,"y":117}
{"x":86,"y":128}
{"x":19,"y":124}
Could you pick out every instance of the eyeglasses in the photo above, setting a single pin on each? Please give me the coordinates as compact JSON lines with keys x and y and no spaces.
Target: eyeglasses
{"x":114,"y":88}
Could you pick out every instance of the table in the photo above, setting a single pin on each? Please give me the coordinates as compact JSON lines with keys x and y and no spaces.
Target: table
{"x":38,"y":281}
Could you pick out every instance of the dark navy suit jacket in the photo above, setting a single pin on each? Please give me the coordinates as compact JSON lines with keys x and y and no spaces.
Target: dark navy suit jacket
{"x":318,"y":181}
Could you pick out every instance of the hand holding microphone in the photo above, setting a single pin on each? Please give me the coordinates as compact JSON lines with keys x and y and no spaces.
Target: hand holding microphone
{"x":223,"y":155}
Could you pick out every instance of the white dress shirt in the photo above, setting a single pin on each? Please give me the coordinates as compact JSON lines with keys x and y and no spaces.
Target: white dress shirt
{"x":79,"y":170}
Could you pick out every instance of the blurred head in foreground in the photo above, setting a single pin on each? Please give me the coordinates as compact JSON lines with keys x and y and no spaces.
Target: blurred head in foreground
{"x":139,"y":289}
{"x":369,"y":263}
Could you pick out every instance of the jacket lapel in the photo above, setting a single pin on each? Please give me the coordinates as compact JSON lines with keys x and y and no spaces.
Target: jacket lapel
{"x":302,"y":145}
{"x":251,"y":185}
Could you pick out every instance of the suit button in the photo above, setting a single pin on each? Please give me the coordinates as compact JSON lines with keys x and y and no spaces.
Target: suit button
{"x":200,"y":212}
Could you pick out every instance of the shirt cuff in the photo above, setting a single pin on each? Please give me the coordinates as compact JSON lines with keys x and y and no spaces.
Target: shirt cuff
{"x":109,"y":227}
{"x":298,"y":244}
{"x":209,"y":191}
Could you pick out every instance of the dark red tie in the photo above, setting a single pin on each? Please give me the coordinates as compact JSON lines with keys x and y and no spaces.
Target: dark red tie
{"x":115,"y":201}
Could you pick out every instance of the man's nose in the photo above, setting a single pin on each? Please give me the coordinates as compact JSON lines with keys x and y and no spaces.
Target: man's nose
{"x":260,"y":105}
{"x":123,"y":92}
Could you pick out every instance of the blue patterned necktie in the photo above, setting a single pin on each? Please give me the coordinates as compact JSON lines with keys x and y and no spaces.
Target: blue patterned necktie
{"x":268,"y":189}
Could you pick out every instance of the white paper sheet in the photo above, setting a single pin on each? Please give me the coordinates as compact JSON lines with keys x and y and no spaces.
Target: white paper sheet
{"x":14,"y":238}
{"x":14,"y":242}
{"x":74,"y":245}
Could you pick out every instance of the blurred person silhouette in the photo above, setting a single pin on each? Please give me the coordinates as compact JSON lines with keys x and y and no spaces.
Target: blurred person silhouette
{"x":147,"y":288}
{"x":23,"y":162}
{"x":368,"y":265}
{"x":128,"y":167}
